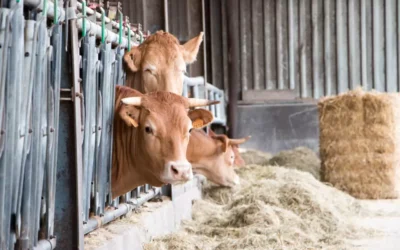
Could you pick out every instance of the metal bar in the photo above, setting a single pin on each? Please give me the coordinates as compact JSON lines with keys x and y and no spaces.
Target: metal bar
{"x":243,"y":49}
{"x":269,"y":45}
{"x":166,"y":21}
{"x":391,"y":46}
{"x":279,"y":44}
{"x":329,"y":51}
{"x":354,"y":45}
{"x":364,"y":56}
{"x":93,"y":224}
{"x":255,"y":42}
{"x":342,"y":49}
{"x":378,"y":67}
{"x":24,"y":240}
{"x":234,"y":67}
{"x":303,"y":55}
{"x":77,"y":127}
{"x":203,"y":19}
{"x":292,"y":48}
{"x":46,"y":244}
{"x":316,"y":64}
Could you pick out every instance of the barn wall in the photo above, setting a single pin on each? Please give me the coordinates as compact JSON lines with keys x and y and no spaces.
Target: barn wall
{"x":319,"y":48}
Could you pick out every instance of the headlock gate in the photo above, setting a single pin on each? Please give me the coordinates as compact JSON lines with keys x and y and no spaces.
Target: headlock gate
{"x":59,"y":64}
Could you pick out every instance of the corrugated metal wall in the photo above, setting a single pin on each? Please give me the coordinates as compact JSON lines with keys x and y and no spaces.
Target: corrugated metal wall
{"x":312,"y":47}
{"x":320,"y":47}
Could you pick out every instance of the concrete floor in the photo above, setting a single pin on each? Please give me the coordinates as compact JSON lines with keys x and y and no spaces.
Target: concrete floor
{"x":387,"y":222}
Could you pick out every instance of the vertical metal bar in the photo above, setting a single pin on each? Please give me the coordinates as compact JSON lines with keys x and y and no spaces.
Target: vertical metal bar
{"x":243,"y":49}
{"x":342,"y":47}
{"x":303,"y":55}
{"x":224,"y":40}
{"x":364,"y":56}
{"x":354,"y":44}
{"x":24,"y":240}
{"x":234,"y":66}
{"x":166,"y":17}
{"x":292,"y":48}
{"x":279,"y":44}
{"x":391,"y":46}
{"x":77,"y":126}
{"x":329,"y":51}
{"x":269,"y":45}
{"x":203,"y":17}
{"x":317,"y":63}
{"x":255,"y":39}
{"x":55,"y":84}
{"x":379,"y":77}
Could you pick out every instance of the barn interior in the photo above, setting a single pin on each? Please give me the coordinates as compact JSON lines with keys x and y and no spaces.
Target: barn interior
{"x":305,"y":98}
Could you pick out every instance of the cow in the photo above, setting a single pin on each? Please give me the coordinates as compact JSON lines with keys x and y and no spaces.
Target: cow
{"x":159,"y":63}
{"x":213,"y":156}
{"x":151,"y":135}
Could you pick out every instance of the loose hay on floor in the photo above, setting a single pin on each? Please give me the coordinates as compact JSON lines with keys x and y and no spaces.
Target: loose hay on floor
{"x":252,"y":156}
{"x":300,"y":158}
{"x":276,"y":208}
{"x":359,"y":143}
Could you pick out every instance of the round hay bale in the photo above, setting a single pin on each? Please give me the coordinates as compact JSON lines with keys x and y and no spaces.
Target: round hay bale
{"x":300,"y":158}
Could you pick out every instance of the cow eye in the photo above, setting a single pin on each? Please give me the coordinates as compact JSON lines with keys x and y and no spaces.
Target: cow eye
{"x":190,"y":130}
{"x":148,"y":130}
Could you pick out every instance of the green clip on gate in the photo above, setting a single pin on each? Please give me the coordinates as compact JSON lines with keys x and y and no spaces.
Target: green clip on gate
{"x":84,"y":18}
{"x":55,"y":20}
{"x":120,"y":28}
{"x":103,"y":25}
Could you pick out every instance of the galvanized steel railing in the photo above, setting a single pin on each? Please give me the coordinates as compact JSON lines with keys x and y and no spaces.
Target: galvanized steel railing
{"x":194,"y":87}
{"x":30,"y":99}
{"x":31,"y":71}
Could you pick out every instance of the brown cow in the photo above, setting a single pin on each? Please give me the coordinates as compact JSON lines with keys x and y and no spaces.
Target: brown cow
{"x":151,"y":134}
{"x":214,"y":157}
{"x":159,"y":63}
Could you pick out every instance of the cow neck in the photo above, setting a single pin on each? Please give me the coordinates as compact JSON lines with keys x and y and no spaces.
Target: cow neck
{"x":125,"y":174}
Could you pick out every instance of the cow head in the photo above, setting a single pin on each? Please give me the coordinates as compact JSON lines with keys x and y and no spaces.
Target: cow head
{"x":151,"y":137}
{"x":214,"y":157}
{"x":159,"y":63}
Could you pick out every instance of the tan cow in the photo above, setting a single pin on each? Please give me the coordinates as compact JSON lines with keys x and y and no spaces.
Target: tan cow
{"x":213,"y":156}
{"x":159,"y":63}
{"x":151,"y":135}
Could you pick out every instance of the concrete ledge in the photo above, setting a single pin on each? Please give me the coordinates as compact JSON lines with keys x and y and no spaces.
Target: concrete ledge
{"x":152,"y":220}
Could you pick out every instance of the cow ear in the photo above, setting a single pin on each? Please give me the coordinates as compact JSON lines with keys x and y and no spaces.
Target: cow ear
{"x":130,"y":115}
{"x":191,"y":48}
{"x":238,"y":158}
{"x":132,"y":59}
{"x":200,"y":118}
{"x":225,"y":141}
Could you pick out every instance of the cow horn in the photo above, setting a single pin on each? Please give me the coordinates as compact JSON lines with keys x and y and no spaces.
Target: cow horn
{"x":195,"y":102}
{"x":134,"y":101}
{"x":239,"y":141}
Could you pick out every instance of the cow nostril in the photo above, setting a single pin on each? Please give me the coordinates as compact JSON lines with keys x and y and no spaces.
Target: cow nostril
{"x":174,"y":170}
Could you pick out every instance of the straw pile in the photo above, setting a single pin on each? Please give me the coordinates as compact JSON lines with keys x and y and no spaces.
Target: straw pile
{"x":251,"y":156}
{"x":300,"y":158}
{"x":359,"y":143}
{"x":275,"y":208}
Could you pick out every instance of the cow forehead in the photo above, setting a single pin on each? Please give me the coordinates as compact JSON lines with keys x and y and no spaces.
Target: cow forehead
{"x":163,"y":58}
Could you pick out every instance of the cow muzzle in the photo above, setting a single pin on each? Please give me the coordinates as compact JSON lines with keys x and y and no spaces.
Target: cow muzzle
{"x":178,"y":171}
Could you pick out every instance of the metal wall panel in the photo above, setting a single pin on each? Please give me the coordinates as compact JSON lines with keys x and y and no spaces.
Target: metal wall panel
{"x":312,"y":47}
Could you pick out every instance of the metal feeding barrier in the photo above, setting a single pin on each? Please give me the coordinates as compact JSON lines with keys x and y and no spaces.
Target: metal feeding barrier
{"x":34,"y":65}
{"x":194,"y":87}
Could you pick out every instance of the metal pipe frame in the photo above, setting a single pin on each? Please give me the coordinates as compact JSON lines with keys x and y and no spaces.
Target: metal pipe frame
{"x":111,"y":36}
{"x":46,"y":244}
{"x":124,"y":208}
